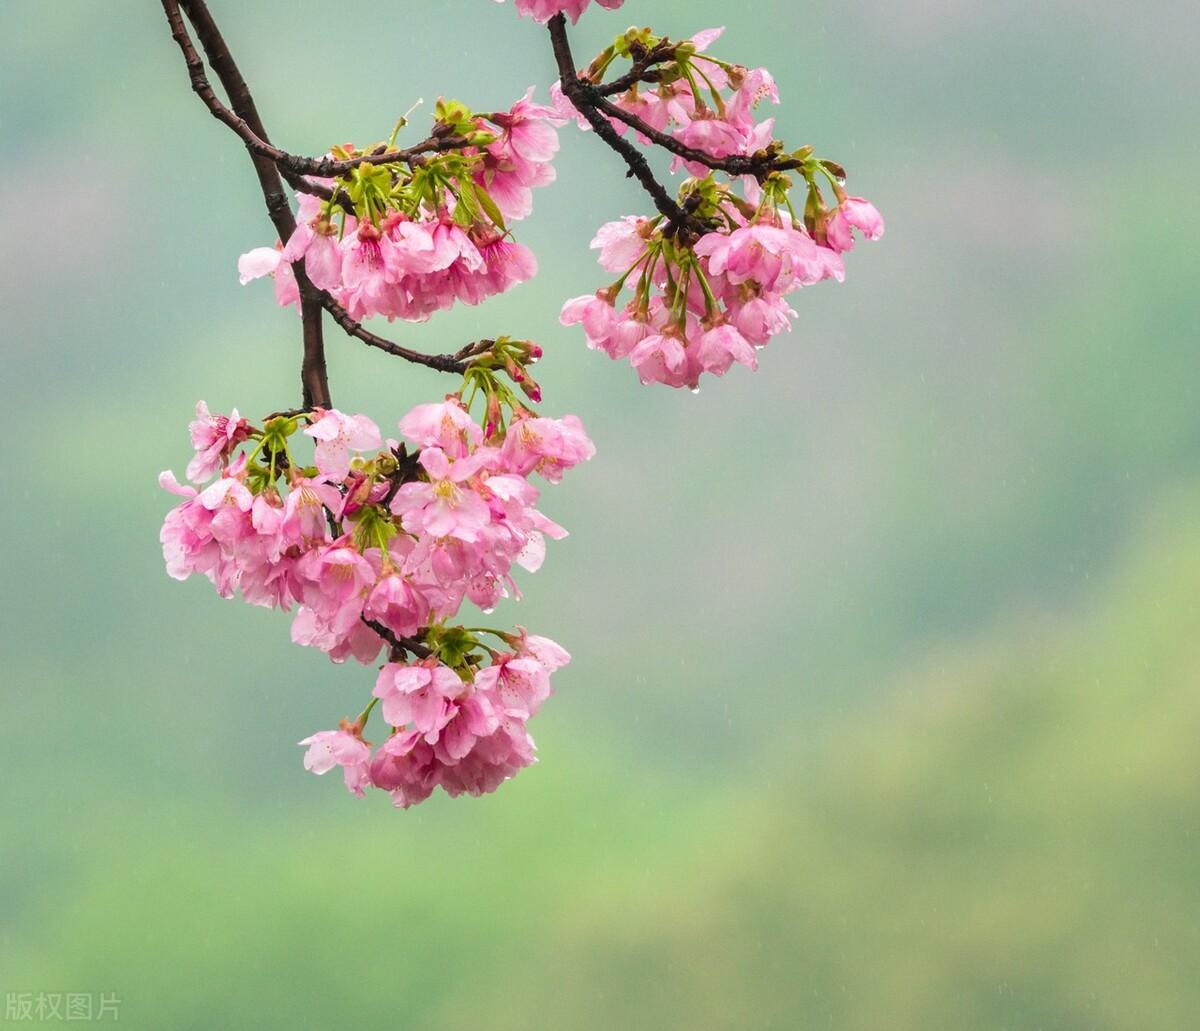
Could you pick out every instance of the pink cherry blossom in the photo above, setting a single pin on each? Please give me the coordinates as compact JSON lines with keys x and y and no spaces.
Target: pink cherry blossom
{"x":854,"y":213}
{"x":214,"y":437}
{"x":337,"y":435}
{"x":621,"y":243}
{"x":446,"y":505}
{"x":446,"y":425}
{"x":421,"y":695}
{"x":544,"y":10}
{"x":330,"y":748}
{"x":547,"y":446}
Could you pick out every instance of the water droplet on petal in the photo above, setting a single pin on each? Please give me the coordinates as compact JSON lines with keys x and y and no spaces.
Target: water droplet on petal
{"x":694,"y":390}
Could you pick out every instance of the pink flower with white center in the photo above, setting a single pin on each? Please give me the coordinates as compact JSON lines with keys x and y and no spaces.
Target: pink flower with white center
{"x":547,"y":446}
{"x":421,"y":695}
{"x":446,"y":425}
{"x":446,"y":506}
{"x":334,"y":582}
{"x":339,"y":574}
{"x":330,"y":748}
{"x":214,"y":437}
{"x":337,"y":435}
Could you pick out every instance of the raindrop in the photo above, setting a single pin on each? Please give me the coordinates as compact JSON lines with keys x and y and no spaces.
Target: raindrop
{"x":694,"y":390}
{"x":840,"y":180}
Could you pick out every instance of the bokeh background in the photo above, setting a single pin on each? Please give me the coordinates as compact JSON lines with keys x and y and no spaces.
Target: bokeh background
{"x":886,"y":691}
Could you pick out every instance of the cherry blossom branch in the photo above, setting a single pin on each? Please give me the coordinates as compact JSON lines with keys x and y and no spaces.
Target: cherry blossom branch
{"x":314,"y":376}
{"x":590,"y":99}
{"x":269,"y":164}
{"x":244,"y":120}
{"x":398,"y":646}
{"x":456,"y":362}
{"x":581,"y":93}
{"x":759,"y":165}
{"x":642,"y":69}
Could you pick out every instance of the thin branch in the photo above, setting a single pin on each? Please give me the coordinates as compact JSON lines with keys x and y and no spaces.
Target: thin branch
{"x":269,"y":164}
{"x":456,"y":362}
{"x":591,"y":100}
{"x":314,"y":376}
{"x":642,"y":69}
{"x":580,"y":93}
{"x":249,"y":127}
{"x":277,"y":203}
{"x":760,"y":164}
{"x":397,"y":646}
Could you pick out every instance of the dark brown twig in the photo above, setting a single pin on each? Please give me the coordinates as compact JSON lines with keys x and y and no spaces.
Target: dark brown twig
{"x":241,"y":115}
{"x":760,"y":164}
{"x":581,"y":93}
{"x":591,"y":101}
{"x":642,"y":69}
{"x":399,"y":645}
{"x":441,"y":362}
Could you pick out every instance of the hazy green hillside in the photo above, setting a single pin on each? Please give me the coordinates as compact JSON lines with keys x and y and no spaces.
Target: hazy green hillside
{"x":1008,"y":844}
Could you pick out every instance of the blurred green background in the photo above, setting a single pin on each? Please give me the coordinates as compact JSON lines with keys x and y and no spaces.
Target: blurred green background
{"x":886,"y":690}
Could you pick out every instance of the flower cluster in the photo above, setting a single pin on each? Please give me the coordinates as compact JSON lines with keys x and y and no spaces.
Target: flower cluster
{"x":700,"y":100}
{"x":710,"y":290}
{"x":376,"y":547}
{"x":543,"y":10}
{"x":463,"y":730}
{"x":406,"y":238}
{"x":700,"y":308}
